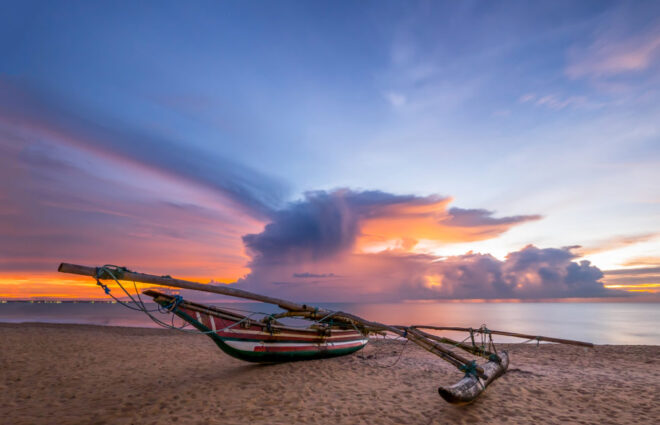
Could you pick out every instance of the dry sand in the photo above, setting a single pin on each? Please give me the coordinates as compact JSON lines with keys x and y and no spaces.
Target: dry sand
{"x":73,"y":374}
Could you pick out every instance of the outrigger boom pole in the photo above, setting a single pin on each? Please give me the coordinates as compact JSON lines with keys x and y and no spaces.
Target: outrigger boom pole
{"x":513,"y":334}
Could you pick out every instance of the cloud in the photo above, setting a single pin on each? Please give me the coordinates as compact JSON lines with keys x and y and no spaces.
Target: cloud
{"x":325,"y":224}
{"x":324,"y":234}
{"x":617,"y":242}
{"x":395,"y":99}
{"x":609,"y":56}
{"x":389,"y":276}
{"x":529,"y":273}
{"x":479,"y":217}
{"x":306,"y":275}
{"x":62,"y":204}
{"x":624,"y":41}
{"x":643,"y":261}
{"x":643,"y":279}
{"x":634,"y":272}
{"x":554,"y":101}
{"x":38,"y":115}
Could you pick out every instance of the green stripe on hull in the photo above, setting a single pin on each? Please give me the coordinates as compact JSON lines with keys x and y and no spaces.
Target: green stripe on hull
{"x":266,"y":357}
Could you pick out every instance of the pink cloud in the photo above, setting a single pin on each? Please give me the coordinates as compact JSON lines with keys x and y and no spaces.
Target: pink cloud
{"x":608,"y":56}
{"x":530,"y":273}
{"x":54,"y":210}
{"x":312,"y":252}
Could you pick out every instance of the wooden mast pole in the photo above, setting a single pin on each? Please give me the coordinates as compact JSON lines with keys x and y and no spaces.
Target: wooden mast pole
{"x":124,"y":274}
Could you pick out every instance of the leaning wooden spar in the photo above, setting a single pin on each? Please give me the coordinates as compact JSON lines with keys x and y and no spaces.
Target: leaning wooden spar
{"x":332,"y":333}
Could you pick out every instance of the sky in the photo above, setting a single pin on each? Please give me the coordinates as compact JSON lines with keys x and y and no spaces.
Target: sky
{"x":334,"y":151}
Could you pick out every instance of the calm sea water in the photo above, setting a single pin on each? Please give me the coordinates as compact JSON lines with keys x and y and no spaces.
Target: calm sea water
{"x":600,"y":323}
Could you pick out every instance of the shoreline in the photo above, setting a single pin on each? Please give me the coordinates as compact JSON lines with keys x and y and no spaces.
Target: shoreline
{"x":371,"y":337}
{"x":79,"y":374}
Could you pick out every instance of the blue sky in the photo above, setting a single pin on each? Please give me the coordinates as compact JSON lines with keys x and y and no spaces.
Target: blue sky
{"x":521,"y":108}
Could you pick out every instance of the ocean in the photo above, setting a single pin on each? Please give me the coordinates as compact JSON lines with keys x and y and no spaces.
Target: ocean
{"x":600,"y":323}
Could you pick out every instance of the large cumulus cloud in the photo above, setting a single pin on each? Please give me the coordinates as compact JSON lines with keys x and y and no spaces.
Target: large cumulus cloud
{"x":329,"y":223}
{"x":531,"y":272}
{"x":311,"y":251}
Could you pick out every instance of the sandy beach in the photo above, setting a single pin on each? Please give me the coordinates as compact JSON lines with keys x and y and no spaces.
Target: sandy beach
{"x":75,"y":374}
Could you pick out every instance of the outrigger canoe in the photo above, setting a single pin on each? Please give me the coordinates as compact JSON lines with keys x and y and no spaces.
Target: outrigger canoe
{"x":270,"y":341}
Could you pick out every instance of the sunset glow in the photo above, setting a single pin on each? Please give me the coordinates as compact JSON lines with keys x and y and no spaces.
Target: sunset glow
{"x":375,"y":162}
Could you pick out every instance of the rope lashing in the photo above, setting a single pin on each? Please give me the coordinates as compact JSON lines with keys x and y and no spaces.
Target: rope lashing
{"x":485,"y":335}
{"x":246,"y":319}
{"x":138,"y":304}
{"x":178,"y":299}
{"x":269,"y":326}
{"x":105,"y":287}
{"x":326,"y":316}
{"x":99,"y":273}
{"x":470,"y":368}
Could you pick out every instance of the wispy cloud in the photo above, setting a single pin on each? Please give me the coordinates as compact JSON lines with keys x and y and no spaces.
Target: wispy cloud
{"x":617,"y":242}
{"x":396,"y":99}
{"x":38,"y":114}
{"x":610,"y":55}
{"x":643,"y":261}
{"x":645,"y":279}
{"x":76,"y":189}
{"x":307,"y":275}
{"x":59,"y":211}
{"x":554,"y":101}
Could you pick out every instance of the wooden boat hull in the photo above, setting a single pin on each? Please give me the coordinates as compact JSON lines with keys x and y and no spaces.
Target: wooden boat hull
{"x":471,"y":386}
{"x":255,"y":341}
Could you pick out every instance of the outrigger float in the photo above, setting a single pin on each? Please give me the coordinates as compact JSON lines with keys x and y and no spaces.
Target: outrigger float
{"x":332,"y":333}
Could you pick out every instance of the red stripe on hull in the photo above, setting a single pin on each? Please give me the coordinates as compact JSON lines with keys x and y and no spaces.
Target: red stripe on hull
{"x":303,"y":348}
{"x":258,"y":332}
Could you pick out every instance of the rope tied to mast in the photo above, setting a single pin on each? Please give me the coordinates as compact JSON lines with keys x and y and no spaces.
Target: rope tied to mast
{"x":99,"y":273}
{"x":178,"y":299}
{"x":114,"y":272}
